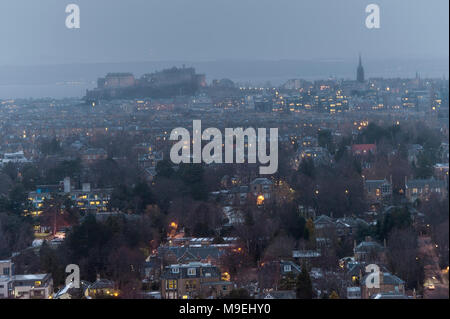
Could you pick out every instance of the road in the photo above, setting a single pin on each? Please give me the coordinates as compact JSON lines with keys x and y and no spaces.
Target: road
{"x":434,"y":276}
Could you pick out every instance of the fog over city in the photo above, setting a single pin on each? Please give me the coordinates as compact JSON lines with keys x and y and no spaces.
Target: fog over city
{"x":249,"y":40}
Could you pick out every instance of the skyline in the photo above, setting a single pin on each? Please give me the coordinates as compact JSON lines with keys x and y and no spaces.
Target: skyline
{"x":71,"y":80}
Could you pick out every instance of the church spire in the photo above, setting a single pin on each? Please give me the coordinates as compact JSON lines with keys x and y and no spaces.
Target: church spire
{"x":360,"y":71}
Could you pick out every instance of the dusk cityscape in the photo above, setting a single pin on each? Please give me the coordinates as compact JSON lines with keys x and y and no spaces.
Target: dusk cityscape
{"x":226,"y":150}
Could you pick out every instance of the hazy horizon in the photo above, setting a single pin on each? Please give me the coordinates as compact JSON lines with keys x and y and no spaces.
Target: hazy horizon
{"x":245,"y":40}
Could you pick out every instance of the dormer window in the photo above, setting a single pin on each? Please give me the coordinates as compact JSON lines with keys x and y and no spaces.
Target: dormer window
{"x":287,"y":268}
{"x":175,"y":270}
{"x":191,"y":271}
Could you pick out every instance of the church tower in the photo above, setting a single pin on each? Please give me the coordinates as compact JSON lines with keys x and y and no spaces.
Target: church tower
{"x":360,"y":71}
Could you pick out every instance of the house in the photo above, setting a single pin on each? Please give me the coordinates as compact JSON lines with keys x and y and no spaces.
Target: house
{"x":92,"y":155}
{"x":271,"y":273}
{"x":216,"y":289}
{"x":378,"y":191}
{"x":389,"y":283}
{"x":193,"y":280}
{"x":288,"y":267}
{"x":306,"y":257}
{"x":369,"y":251}
{"x":33,"y":286}
{"x":101,"y":288}
{"x":319,"y":155}
{"x":6,"y":268}
{"x":261,"y":190}
{"x":324,"y":226}
{"x":364,"y":149}
{"x":6,"y":287}
{"x":348,"y":226}
{"x":423,"y":188}
{"x":353,"y":293}
{"x":17,"y":158}
{"x":441,"y":171}
{"x":308,"y":141}
{"x":150,"y":159}
{"x":152,"y":268}
{"x":234,"y":216}
{"x":86,"y":198}
{"x":238,"y":196}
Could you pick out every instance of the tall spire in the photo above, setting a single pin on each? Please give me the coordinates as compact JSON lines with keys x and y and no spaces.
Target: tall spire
{"x":360,"y":71}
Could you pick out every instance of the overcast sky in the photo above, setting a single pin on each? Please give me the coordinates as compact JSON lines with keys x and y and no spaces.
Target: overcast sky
{"x":34,"y":32}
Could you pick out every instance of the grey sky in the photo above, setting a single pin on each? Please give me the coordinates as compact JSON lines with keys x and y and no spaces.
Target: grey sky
{"x":34,"y":32}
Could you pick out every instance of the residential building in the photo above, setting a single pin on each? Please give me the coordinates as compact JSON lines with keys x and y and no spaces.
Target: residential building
{"x":33,"y":286}
{"x":423,"y":188}
{"x":369,"y":251}
{"x":101,"y":288}
{"x":388,"y":283}
{"x":6,"y":287}
{"x":378,"y":191}
{"x":6,"y":268}
{"x":193,"y":280}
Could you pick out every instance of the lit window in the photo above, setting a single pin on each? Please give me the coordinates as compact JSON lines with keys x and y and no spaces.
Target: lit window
{"x":191,"y":271}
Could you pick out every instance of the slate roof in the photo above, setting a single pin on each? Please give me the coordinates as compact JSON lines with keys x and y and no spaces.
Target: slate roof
{"x":202,"y":271}
{"x":388,"y":295}
{"x":101,"y":284}
{"x":367,"y":246}
{"x":202,"y":252}
{"x":388,"y":279}
{"x":280,"y":294}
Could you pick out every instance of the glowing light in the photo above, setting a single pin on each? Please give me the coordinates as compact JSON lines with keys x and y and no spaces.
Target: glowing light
{"x":260,"y":200}
{"x":173,"y":225}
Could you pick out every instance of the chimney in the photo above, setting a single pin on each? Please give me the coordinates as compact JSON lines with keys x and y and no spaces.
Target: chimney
{"x":67,"y":187}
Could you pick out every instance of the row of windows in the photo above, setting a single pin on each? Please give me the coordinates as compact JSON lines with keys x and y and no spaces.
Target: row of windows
{"x":190,"y":271}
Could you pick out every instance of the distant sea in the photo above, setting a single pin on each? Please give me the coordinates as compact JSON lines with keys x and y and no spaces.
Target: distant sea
{"x":72,"y":80}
